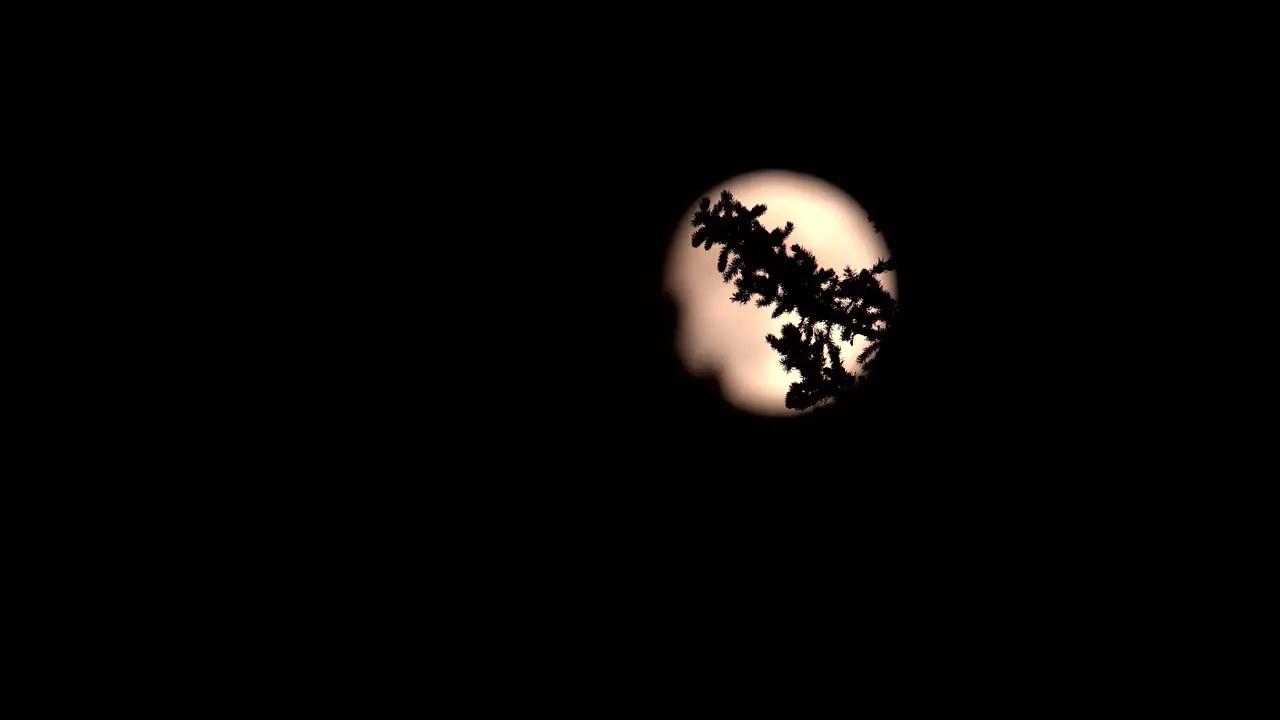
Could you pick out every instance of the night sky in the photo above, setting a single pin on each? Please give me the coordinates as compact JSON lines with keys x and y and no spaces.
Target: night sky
{"x":422,"y":286}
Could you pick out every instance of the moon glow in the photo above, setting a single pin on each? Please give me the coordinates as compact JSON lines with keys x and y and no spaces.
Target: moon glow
{"x":717,"y":337}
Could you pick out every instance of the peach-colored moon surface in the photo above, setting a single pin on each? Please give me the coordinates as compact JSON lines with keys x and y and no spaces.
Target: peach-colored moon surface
{"x":718,"y":337}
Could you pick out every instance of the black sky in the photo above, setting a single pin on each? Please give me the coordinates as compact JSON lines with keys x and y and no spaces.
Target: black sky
{"x":419,"y":285}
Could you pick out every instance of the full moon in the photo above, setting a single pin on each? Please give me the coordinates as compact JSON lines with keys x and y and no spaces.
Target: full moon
{"x":717,"y":337}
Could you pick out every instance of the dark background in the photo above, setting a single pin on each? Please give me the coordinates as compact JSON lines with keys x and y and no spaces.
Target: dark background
{"x":487,"y":465}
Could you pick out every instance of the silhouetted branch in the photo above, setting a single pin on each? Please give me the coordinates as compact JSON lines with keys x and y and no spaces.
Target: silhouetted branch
{"x":830,"y":305}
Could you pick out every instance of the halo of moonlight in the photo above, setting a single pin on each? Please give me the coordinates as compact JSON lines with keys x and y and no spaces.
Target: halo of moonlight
{"x":716,"y":336}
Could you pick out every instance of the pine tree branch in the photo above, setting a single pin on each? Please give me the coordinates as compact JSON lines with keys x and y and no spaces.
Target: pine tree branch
{"x":829,"y":304}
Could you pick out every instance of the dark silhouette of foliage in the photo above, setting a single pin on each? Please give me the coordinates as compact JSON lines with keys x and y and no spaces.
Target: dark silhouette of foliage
{"x":830,"y":305}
